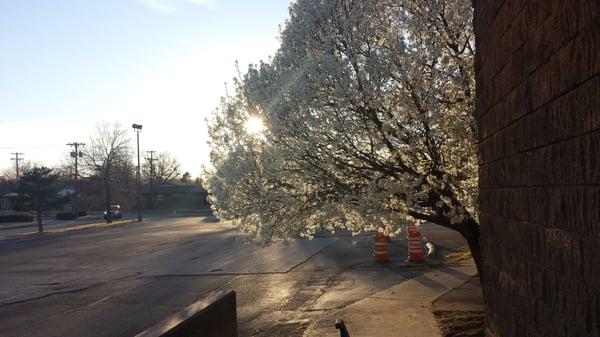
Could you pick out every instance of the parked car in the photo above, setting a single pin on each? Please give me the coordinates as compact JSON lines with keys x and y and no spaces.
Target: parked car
{"x":115,"y":212}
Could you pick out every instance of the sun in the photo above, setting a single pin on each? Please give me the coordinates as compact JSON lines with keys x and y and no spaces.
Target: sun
{"x":255,"y":125}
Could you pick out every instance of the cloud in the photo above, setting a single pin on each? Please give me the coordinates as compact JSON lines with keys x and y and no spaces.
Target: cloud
{"x":173,"y":6}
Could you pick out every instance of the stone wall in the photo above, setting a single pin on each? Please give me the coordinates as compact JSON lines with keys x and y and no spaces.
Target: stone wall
{"x":215,"y":315}
{"x":538,"y":111}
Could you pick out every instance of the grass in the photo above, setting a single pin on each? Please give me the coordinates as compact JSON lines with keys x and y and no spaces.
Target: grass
{"x":92,"y":225}
{"x":79,"y":227}
{"x":456,"y":257}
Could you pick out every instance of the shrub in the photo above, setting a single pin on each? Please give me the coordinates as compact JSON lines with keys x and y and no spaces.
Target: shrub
{"x":16,"y":217}
{"x":66,"y":216}
{"x":70,"y":215}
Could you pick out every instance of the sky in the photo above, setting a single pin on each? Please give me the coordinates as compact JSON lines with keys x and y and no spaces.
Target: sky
{"x":66,"y":65}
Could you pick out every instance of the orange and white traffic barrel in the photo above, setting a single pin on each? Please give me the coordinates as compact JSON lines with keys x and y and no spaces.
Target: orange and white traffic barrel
{"x":415,"y":244}
{"x":411,"y":228}
{"x":381,"y":247}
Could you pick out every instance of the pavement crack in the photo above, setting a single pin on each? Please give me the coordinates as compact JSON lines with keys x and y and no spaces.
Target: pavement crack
{"x":62,"y":292}
{"x":311,"y":256}
{"x":319,"y":310}
{"x":215,"y":274}
{"x":70,"y":291}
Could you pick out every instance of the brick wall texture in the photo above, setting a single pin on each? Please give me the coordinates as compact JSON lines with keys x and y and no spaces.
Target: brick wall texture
{"x":538,"y":111}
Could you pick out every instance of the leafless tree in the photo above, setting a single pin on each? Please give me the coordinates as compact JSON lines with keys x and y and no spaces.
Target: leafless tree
{"x":107,"y":153}
{"x":10,"y":174}
{"x":158,"y":170}
{"x":162,"y":168}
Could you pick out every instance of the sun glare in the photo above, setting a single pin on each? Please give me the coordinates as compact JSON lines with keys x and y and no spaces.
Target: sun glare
{"x":254,"y":125}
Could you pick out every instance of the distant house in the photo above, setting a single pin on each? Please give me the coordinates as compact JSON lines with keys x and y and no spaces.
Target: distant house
{"x":66,"y":192}
{"x":7,"y":195}
{"x":175,"y":196}
{"x":69,"y":193}
{"x":6,"y":201}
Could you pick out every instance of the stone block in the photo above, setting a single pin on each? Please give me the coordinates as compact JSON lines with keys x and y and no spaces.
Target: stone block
{"x":213,"y":316}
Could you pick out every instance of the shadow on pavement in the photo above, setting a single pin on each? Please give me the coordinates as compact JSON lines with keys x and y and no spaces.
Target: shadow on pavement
{"x":460,"y":312}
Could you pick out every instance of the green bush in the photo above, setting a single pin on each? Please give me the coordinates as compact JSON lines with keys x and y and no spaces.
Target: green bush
{"x":16,"y":217}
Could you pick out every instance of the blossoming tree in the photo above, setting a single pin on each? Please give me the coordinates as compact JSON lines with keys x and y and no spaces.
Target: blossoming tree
{"x":367,"y":108}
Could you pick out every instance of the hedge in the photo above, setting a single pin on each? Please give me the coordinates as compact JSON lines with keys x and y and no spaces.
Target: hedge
{"x":70,"y":215}
{"x":65,"y":216}
{"x":16,"y":217}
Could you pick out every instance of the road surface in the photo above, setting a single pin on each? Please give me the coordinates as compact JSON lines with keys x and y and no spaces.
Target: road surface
{"x":119,"y":280}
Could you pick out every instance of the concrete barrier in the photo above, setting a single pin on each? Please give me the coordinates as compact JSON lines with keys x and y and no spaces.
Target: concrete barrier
{"x":213,"y":316}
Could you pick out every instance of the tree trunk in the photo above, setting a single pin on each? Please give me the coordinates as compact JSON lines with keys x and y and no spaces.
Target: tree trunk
{"x":469,"y":229}
{"x":108,"y":200}
{"x":39,"y":220}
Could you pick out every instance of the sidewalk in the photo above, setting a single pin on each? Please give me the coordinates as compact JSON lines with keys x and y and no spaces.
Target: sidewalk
{"x":404,"y":310}
{"x":461,"y":312}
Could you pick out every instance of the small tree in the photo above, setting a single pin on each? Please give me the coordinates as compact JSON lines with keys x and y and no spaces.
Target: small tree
{"x":186,"y":178}
{"x":38,"y":190}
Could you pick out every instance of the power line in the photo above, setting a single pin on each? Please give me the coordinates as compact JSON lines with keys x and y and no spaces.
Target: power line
{"x":17,"y":159}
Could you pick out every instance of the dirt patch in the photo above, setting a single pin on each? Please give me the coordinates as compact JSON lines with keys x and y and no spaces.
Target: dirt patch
{"x":285,"y":329}
{"x":460,"y":323}
{"x":460,"y":312}
{"x":454,"y":258}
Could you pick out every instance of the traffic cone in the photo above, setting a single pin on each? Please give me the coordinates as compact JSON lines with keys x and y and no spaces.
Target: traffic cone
{"x":415,"y":244}
{"x":380,"y":247}
{"x":411,"y":228}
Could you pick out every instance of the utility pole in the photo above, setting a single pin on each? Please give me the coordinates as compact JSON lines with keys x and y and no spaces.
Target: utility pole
{"x":151,"y":160}
{"x":16,"y":159}
{"x":76,"y":154}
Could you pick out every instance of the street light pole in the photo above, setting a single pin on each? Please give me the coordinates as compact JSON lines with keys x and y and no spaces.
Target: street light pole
{"x":138,"y":129}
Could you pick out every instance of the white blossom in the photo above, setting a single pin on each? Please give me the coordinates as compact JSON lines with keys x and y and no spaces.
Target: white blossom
{"x":367,"y":110}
